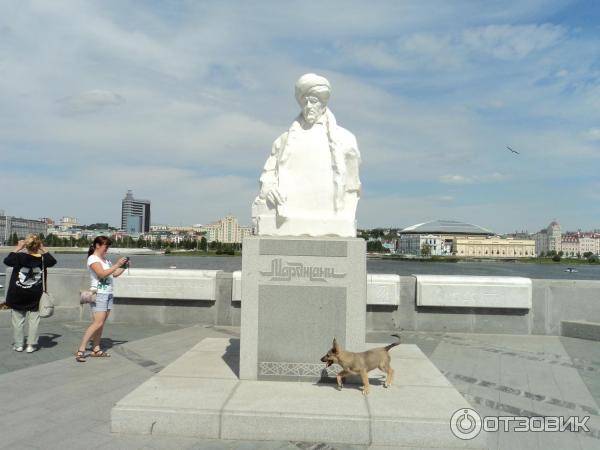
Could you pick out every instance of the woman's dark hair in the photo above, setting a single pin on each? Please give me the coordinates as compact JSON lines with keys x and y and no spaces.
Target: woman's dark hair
{"x":99,"y":240}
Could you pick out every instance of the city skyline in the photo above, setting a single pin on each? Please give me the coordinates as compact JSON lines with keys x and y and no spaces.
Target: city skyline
{"x":74,"y":222}
{"x":181,"y":103}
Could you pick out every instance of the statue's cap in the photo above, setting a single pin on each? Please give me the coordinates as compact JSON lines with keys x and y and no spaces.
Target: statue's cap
{"x":312,"y":82}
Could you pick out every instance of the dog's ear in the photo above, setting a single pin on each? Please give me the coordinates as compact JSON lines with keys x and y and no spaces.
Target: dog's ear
{"x":336,"y":347}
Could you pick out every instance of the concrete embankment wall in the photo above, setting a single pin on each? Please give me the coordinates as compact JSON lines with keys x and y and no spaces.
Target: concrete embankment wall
{"x":553,"y":302}
{"x":150,"y":296}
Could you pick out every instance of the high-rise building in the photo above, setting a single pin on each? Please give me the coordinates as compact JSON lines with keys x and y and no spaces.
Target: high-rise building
{"x":135,"y":214}
{"x":548,"y":239}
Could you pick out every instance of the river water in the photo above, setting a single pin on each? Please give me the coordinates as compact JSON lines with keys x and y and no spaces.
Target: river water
{"x":400,"y":267}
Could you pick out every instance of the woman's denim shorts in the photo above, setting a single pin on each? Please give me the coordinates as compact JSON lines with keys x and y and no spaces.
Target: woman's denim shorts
{"x":103,"y":303}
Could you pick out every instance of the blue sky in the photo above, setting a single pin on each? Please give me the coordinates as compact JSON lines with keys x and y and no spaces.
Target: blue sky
{"x":181,"y":101}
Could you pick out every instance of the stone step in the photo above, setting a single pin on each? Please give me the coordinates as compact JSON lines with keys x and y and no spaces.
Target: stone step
{"x":580,"y":329}
{"x":201,"y":395}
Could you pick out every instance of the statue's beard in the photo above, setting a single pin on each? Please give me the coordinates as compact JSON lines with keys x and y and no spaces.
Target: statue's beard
{"x":312,"y":115}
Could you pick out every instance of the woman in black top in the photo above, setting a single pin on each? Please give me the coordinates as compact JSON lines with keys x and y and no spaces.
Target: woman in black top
{"x":25,"y":289}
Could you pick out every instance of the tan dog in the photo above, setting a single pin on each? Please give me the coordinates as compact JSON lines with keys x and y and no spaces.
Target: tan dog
{"x":361,"y":363}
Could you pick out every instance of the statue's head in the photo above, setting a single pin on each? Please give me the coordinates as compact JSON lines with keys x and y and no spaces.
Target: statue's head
{"x":312,"y":93}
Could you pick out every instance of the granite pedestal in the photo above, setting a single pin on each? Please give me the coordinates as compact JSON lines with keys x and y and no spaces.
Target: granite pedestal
{"x":298,"y":294}
{"x":201,"y":395}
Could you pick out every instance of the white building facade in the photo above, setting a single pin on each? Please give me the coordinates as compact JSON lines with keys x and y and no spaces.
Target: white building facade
{"x":439,"y":235}
{"x":579,"y":244}
{"x":226,"y":230}
{"x":413,"y":244}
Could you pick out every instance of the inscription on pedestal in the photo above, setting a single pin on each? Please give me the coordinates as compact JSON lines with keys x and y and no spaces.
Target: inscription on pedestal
{"x":286,"y":271}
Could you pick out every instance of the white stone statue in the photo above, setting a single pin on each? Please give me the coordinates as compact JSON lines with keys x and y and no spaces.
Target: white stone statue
{"x":309,"y":185}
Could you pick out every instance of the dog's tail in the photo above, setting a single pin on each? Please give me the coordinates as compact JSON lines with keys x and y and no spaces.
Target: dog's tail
{"x":392,"y":345}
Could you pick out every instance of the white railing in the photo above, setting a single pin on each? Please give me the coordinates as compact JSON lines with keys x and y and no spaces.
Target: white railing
{"x":170,"y":284}
{"x":382,"y":289}
{"x":474,"y":291}
{"x":440,"y":290}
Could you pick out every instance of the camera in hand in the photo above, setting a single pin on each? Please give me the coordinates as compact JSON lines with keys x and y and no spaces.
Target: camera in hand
{"x":126,"y":265}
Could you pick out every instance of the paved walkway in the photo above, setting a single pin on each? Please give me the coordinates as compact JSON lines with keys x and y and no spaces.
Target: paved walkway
{"x":514,"y":375}
{"x":49,"y":401}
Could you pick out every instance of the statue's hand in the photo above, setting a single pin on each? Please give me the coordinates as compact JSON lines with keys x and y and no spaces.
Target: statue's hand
{"x":275,"y":197}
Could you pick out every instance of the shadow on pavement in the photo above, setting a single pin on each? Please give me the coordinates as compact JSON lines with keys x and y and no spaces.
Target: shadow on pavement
{"x":48,"y":340}
{"x":232,"y":356}
{"x":107,"y":343}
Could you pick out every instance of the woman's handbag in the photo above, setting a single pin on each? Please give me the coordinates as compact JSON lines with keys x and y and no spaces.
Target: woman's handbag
{"x":87,"y":296}
{"x":47,"y":300}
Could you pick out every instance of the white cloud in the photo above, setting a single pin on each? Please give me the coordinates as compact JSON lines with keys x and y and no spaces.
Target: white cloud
{"x":456,"y":179}
{"x":562,"y":73}
{"x":512,"y":41}
{"x":90,"y":101}
{"x":374,"y":55}
{"x":443,"y":198}
{"x":593,"y":134}
{"x":452,"y":50}
{"x":461,"y":179}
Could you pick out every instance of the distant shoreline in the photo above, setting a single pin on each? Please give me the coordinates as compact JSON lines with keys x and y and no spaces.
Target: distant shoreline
{"x":126,"y":252}
{"x":455,"y":259}
{"x":372,"y":256}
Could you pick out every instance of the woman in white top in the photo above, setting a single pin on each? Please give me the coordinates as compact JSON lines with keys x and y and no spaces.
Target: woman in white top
{"x":101,"y":275}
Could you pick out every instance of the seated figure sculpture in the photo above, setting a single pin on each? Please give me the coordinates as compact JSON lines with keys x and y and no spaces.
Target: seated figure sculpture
{"x":310,"y":185}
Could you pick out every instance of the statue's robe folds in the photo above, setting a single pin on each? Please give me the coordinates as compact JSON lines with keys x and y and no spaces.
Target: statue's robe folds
{"x":315,"y":169}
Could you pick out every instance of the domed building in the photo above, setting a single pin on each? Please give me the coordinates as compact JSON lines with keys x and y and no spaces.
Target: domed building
{"x":449,"y":237}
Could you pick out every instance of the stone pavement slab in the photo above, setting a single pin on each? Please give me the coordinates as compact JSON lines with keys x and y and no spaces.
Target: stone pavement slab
{"x":60,"y":340}
{"x":51,"y":402}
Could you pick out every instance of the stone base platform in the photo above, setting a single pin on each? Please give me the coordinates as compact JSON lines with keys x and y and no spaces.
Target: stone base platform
{"x":201,"y":395}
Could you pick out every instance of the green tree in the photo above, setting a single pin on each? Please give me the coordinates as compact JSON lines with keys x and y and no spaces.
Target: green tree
{"x":556,"y":258}
{"x":377,"y":233}
{"x":426,"y":249}
{"x":14,"y":239}
{"x":375,"y":247}
{"x":203,"y":244}
{"x":593,"y":259}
